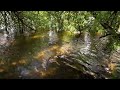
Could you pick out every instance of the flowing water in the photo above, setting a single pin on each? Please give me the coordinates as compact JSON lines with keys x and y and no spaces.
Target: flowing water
{"x":40,"y":55}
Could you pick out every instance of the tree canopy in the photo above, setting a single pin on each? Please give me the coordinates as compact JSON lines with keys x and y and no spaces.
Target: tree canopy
{"x":99,"y":25}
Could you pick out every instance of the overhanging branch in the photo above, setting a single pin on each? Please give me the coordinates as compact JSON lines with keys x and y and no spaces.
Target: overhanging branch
{"x":23,"y":21}
{"x":105,"y":36}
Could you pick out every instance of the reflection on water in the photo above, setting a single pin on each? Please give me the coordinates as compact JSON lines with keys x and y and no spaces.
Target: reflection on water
{"x":87,"y":44}
{"x":3,"y":39}
{"x":39,"y":55}
{"x":53,"y":38}
{"x":32,"y":56}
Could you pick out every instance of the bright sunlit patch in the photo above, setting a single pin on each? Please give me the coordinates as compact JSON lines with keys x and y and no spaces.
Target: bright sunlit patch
{"x":43,"y":73}
{"x":65,"y":49}
{"x":111,"y":66}
{"x":14,"y":63}
{"x":55,"y":50}
{"x":47,"y":53}
{"x":2,"y":63}
{"x":67,"y":36}
{"x":37,"y":36}
{"x":55,"y":47}
{"x":22,"y":62}
{"x":99,"y":33}
{"x":1,"y":70}
{"x":40,"y":55}
{"x":49,"y":72}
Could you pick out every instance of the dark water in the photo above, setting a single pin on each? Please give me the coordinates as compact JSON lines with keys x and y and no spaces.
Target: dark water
{"x":40,"y":56}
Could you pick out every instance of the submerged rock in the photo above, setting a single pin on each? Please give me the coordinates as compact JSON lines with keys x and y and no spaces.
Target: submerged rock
{"x":24,"y":72}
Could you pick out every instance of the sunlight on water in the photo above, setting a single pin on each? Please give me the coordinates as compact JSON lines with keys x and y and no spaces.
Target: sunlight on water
{"x":37,"y":56}
{"x":27,"y":63}
{"x":54,"y":50}
{"x":87,"y":44}
{"x":65,"y":49}
{"x":38,"y":36}
{"x":14,"y":63}
{"x":22,"y":61}
{"x":2,"y":63}
{"x":1,"y":70}
{"x":50,"y":71}
{"x":112,"y":66}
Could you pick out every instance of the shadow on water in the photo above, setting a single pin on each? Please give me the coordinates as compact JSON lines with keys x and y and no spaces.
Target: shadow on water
{"x":19,"y":54}
{"x":37,"y":56}
{"x":29,"y":57}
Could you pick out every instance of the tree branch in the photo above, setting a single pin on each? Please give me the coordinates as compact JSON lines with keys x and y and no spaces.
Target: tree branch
{"x":106,"y":26}
{"x":22,"y":21}
{"x":104,"y":36}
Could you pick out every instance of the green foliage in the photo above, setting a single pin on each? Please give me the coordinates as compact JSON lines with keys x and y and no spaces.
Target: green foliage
{"x":100,"y":22}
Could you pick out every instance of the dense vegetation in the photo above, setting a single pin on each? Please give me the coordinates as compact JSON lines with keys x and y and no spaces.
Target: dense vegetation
{"x":99,"y":24}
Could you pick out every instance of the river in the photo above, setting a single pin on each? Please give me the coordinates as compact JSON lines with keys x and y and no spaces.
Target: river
{"x":41,"y":56}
